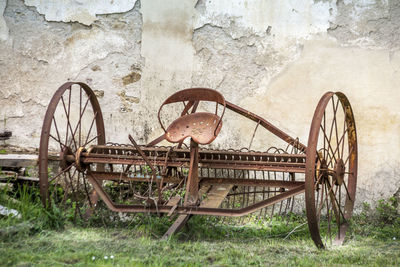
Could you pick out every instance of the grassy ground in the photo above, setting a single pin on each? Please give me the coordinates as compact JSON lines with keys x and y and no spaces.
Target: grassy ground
{"x":49,"y":238}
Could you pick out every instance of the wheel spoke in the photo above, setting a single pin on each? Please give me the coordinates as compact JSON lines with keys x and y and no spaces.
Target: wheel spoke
{"x":333,"y":201}
{"x":74,"y":192}
{"x":79,"y":123}
{"x":318,"y":180}
{"x":91,"y":140}
{"x":321,"y":205}
{"x":329,"y":144}
{"x":58,"y":141}
{"x":327,"y":212}
{"x":61,"y":172}
{"x":336,"y":130}
{"x":90,"y":129}
{"x":347,"y":159}
{"x":347,"y":191}
{"x":80,"y":115}
{"x":338,"y":147}
{"x":65,"y":110}
{"x":87,"y":192}
{"x":58,"y":134}
{"x":324,"y":119}
{"x":69,"y":127}
{"x":333,"y":122}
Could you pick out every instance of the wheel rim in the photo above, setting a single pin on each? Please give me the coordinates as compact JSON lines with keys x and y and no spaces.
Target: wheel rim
{"x":73,"y":119}
{"x":331,"y":169}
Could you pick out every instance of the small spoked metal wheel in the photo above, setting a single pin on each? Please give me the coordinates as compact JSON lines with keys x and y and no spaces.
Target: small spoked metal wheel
{"x":72,"y":122}
{"x":331,"y":170}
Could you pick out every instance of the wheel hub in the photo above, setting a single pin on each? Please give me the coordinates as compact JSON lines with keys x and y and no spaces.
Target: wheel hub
{"x":80,"y":166}
{"x":65,"y":154}
{"x":339,"y":171}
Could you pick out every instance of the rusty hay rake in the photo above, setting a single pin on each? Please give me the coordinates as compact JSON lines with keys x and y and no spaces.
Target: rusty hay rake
{"x":189,"y":178}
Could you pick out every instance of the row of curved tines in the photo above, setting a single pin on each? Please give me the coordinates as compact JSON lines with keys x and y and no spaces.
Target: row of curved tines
{"x":273,"y":154}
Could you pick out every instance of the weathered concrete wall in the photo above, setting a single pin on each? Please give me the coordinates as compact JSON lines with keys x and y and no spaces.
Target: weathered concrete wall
{"x":275,"y":58}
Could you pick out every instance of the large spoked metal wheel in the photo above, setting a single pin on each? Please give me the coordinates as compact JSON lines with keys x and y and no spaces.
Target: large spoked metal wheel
{"x":73,"y":121}
{"x":331,"y":170}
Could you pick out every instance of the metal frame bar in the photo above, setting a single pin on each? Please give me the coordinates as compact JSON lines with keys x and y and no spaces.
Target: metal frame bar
{"x":194,"y":210}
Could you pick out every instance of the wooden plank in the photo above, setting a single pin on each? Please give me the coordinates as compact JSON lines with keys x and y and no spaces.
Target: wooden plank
{"x":182,"y":219}
{"x":215,"y":196}
{"x":27,"y":178}
{"x":18,"y":160}
{"x":176,"y":226}
{"x":8,"y":175}
{"x":174,"y":201}
{"x":203,"y":190}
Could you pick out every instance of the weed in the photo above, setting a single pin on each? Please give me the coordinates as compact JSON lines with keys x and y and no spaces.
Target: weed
{"x":387,"y":211}
{"x":26,"y":200}
{"x":382,"y":223}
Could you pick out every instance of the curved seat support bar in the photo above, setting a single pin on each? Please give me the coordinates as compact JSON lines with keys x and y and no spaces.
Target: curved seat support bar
{"x":194,"y":95}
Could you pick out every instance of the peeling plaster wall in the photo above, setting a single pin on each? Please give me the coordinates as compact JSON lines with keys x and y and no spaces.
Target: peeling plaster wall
{"x":77,"y":10}
{"x":3,"y":25}
{"x":275,"y":58}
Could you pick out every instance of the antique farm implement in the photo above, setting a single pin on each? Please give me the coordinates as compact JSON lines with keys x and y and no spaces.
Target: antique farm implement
{"x":190,"y":178}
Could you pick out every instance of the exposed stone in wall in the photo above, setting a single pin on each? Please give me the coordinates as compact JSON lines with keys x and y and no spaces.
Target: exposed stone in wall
{"x":79,"y":10}
{"x":3,"y":25}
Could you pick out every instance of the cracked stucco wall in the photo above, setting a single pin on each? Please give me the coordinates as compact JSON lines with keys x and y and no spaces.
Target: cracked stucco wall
{"x":275,"y":58}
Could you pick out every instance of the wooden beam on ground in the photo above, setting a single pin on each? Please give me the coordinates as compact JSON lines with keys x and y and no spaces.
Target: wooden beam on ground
{"x":182,"y":219}
{"x":215,"y":195}
{"x":174,"y":201}
{"x":176,"y":226}
{"x":179,"y":222}
{"x":18,"y":160}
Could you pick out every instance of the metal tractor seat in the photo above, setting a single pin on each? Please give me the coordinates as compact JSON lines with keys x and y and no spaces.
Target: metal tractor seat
{"x":202,"y":127}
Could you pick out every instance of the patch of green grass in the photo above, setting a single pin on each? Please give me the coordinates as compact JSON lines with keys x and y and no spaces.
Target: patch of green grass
{"x":78,"y":246}
{"x":3,"y":151}
{"x":26,"y":201}
{"x":53,"y":240}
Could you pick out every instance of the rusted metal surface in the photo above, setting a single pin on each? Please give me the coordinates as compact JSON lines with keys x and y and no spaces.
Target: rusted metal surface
{"x":202,"y":127}
{"x":194,"y":210}
{"x":50,"y":129}
{"x":185,"y":181}
{"x":330,"y":185}
{"x":207,"y":158}
{"x":267,"y":125}
{"x":192,"y":186}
